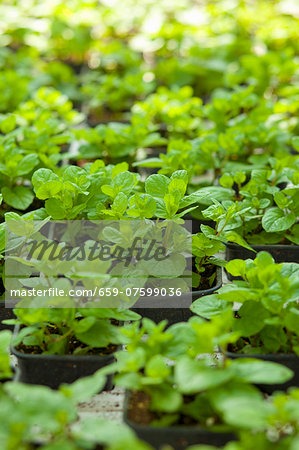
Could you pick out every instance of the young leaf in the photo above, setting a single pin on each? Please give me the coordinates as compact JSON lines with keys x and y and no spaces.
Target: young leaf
{"x":157,"y":185}
{"x":276,"y":220}
{"x":19,"y":197}
{"x":26,"y":164}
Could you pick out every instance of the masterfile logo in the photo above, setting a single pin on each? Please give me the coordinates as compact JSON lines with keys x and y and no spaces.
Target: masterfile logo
{"x":96,"y":263}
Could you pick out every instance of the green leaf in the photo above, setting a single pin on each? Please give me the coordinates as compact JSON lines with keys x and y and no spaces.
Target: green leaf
{"x":8,"y":124}
{"x":149,"y":162}
{"x":171,"y":266}
{"x":120,"y":203}
{"x":241,"y":405}
{"x":102,"y":433}
{"x":41,"y":405}
{"x":248,"y":414}
{"x":41,"y":176}
{"x":276,"y":220}
{"x":49,"y":189}
{"x":19,"y":197}
{"x":209,"y":306}
{"x":196,"y":197}
{"x":76,"y":177}
{"x":55,"y":209}
{"x":119,"y":168}
{"x":100,"y":334}
{"x":108,"y":190}
{"x":258,"y":371}
{"x":110,"y":313}
{"x":181,"y":175}
{"x":157,"y":185}
{"x":125,"y":181}
{"x":177,"y":185}
{"x":5,"y":368}
{"x":26,"y":164}
{"x":232,"y":236}
{"x":236,"y":267}
{"x":142,"y":205}
{"x":84,"y":324}
{"x":281,"y":200}
{"x":210,"y":233}
{"x":252,"y":318}
{"x":210,"y":193}
{"x":172,"y":203}
{"x":156,"y":367}
{"x":165,"y":398}
{"x":273,"y":335}
{"x":193,"y":376}
{"x":84,"y":388}
{"x":46,"y":183}
{"x":226,"y":181}
{"x":295,"y":142}
{"x":291,"y":320}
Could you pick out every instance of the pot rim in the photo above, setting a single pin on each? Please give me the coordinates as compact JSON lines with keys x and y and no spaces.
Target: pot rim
{"x":260,"y":246}
{"x":262,"y":355}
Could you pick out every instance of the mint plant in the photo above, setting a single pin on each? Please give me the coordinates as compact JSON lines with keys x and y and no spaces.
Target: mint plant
{"x":204,"y":250}
{"x":39,"y":416}
{"x":65,"y":331}
{"x":109,"y":91}
{"x":10,"y":96}
{"x":267,"y":318}
{"x":262,"y":213}
{"x":87,"y":98}
{"x":276,"y":431}
{"x":178,"y":387}
{"x":48,"y":103}
{"x":181,"y":155}
{"x":177,"y":110}
{"x":163,"y":197}
{"x":15,"y":168}
{"x":78,"y":192}
{"x":169,"y":194}
{"x":115,"y":141}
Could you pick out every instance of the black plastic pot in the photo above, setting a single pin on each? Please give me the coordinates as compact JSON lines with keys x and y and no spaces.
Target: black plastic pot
{"x":176,"y":308}
{"x":53,"y":370}
{"x":280,"y":253}
{"x":178,"y":437}
{"x":290,"y":360}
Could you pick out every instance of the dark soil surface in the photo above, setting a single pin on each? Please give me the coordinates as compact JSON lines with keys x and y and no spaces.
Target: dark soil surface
{"x":74,"y":345}
{"x":138,"y":408}
{"x":210,"y":270}
{"x":139,"y":413}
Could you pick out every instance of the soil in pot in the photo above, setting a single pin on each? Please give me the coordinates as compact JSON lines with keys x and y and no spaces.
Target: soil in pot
{"x":52,"y":370}
{"x":176,"y":308}
{"x":186,"y":432}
